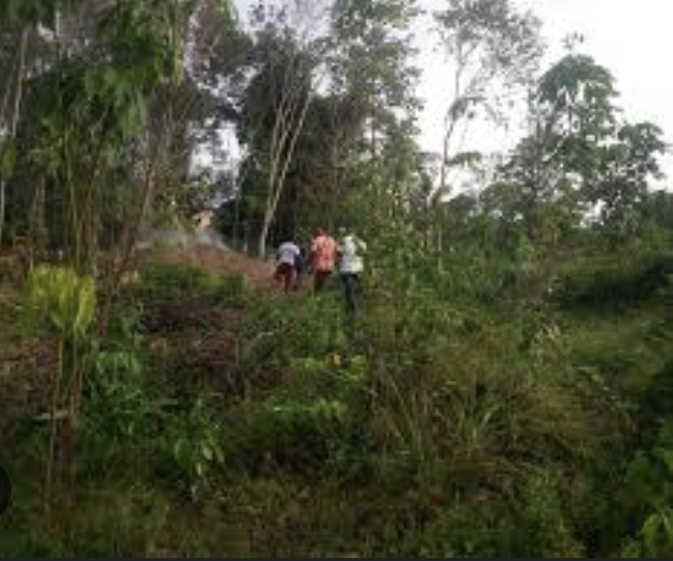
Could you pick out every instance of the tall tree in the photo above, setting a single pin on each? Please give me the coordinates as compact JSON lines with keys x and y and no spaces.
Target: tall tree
{"x":494,"y":50}
{"x":582,"y":154}
{"x":25,"y":16}
{"x":288,"y":58}
{"x":371,"y":64}
{"x":372,"y":70}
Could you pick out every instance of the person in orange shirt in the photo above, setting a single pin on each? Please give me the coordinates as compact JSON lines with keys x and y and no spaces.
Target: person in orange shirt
{"x":323,"y":257}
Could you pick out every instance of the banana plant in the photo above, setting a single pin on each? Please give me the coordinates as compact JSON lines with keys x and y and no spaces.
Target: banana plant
{"x":61,"y":303}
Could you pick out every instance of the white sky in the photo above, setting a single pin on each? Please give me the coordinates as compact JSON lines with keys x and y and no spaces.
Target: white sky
{"x":633,"y":39}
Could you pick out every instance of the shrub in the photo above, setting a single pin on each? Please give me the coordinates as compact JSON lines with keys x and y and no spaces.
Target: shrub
{"x":172,"y":282}
{"x":191,"y":447}
{"x":298,"y":436}
{"x":649,"y":499}
{"x":615,"y":281}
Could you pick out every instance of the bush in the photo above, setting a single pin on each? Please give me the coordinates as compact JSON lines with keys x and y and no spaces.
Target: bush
{"x":649,"y":499}
{"x":614,"y":281}
{"x":300,"y":437}
{"x":123,"y":411}
{"x":132,"y":423}
{"x":191,"y":447}
{"x":173,"y":282}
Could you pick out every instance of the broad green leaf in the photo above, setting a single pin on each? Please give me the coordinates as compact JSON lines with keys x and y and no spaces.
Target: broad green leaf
{"x":668,"y":459}
{"x":207,"y":452}
{"x":650,"y":530}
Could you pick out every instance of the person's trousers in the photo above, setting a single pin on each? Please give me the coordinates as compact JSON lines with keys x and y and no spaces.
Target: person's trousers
{"x":320,"y":279}
{"x":352,"y":289}
{"x":285,"y":274}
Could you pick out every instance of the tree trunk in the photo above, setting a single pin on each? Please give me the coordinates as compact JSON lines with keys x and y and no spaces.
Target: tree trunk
{"x":14,"y":119}
{"x":7,"y":94}
{"x":36,"y":224}
{"x":57,"y":378}
{"x":453,"y":116}
{"x":264,"y":234}
{"x":284,"y":154}
{"x":446,"y":155}
{"x":134,"y":228}
{"x":336,"y":184}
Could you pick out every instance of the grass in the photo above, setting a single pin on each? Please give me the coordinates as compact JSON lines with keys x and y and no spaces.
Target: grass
{"x":623,"y":348}
{"x":222,"y":423}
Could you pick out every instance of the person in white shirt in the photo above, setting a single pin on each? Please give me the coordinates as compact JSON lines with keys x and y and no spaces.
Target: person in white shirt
{"x":351,"y":265}
{"x":287,"y":257}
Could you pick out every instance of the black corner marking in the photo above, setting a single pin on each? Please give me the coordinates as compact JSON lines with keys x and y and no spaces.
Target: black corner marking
{"x":5,"y":490}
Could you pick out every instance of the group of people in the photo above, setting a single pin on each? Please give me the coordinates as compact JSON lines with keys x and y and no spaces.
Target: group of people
{"x":326,"y":256}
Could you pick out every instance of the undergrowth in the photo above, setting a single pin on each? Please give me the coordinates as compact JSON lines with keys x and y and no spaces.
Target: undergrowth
{"x":425,"y":427}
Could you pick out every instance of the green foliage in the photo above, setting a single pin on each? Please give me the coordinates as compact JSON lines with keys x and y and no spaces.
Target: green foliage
{"x":437,"y":426}
{"x":504,"y":391}
{"x":166,"y":282}
{"x":583,"y":153}
{"x":101,"y":529}
{"x":30,"y":11}
{"x":581,"y":91}
{"x":491,"y":37}
{"x":122,"y":410}
{"x":192,"y":445}
{"x":130,"y":420}
{"x":61,"y":301}
{"x":650,"y":496}
{"x":7,"y":159}
{"x":301,"y":437}
{"x":617,"y":281}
